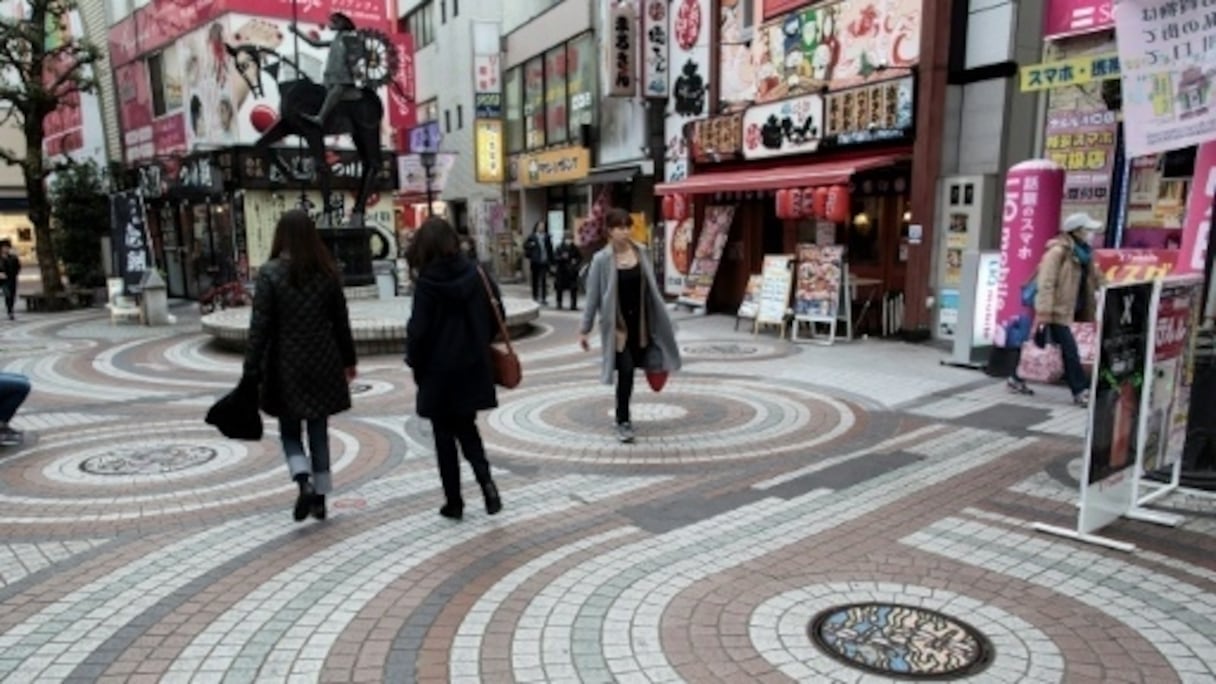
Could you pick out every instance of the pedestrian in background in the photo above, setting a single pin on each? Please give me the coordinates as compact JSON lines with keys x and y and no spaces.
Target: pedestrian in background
{"x":10,"y":267}
{"x":565,"y":278}
{"x":538,"y":248}
{"x":635,"y":330}
{"x":302,"y":352}
{"x":1068,"y":283}
{"x":447,"y":347}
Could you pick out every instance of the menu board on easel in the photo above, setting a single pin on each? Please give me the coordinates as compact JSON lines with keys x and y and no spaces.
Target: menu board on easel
{"x":820,"y":269}
{"x":750,"y":306}
{"x":707,"y":256}
{"x":775,"y":290}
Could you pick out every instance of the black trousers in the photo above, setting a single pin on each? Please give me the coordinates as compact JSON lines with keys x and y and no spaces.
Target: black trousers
{"x":10,"y":296}
{"x":626,"y":363}
{"x":540,"y":282}
{"x":573,"y":295}
{"x":448,"y":431}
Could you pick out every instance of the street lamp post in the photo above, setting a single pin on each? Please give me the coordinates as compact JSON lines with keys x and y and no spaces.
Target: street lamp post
{"x":428,"y":163}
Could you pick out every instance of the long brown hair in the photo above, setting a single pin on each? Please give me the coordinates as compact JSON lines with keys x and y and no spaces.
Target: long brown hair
{"x":297,"y":239}
{"x":435,"y":239}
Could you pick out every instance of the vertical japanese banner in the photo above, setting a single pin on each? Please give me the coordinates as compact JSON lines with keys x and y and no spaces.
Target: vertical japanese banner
{"x":129,"y":236}
{"x":401,"y":113}
{"x":1030,"y":217}
{"x":654,"y":48}
{"x":688,"y":34}
{"x":622,"y":50}
{"x":1167,"y":57}
{"x":1197,"y":227}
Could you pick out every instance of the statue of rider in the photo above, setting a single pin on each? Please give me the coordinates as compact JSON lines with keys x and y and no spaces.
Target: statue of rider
{"x":339,"y":77}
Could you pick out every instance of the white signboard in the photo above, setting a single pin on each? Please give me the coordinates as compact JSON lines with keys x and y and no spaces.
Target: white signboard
{"x":986,"y":285}
{"x":654,"y":48}
{"x":411,"y":174}
{"x":792,"y":126}
{"x":622,"y":43}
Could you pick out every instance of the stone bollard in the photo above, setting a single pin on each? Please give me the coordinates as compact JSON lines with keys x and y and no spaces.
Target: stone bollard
{"x":155,"y":300}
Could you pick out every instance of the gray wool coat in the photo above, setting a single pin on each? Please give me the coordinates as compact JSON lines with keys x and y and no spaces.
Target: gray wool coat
{"x":601,"y":299}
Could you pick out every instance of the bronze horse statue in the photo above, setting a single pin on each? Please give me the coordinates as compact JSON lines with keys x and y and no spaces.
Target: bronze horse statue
{"x":299,"y":95}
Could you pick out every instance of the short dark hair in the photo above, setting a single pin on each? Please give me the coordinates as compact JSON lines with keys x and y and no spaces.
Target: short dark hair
{"x":435,"y":239}
{"x":616,"y":218}
{"x":296,"y":237}
{"x":345,"y":23}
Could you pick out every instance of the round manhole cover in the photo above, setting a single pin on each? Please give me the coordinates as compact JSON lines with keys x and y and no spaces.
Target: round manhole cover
{"x":720,"y":349}
{"x":154,"y":460}
{"x":360,"y":388}
{"x":901,"y":641}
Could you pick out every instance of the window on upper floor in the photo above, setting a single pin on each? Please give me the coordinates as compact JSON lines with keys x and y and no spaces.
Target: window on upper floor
{"x":447,"y":121}
{"x":421,"y":24}
{"x":443,"y":11}
{"x":428,"y":111}
{"x":455,"y":8}
{"x":459,"y":117}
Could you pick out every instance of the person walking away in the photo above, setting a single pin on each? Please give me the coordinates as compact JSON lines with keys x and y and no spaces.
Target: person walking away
{"x":447,"y":347}
{"x":14,"y":388}
{"x":539,"y":250}
{"x":634,"y":325}
{"x":10,"y":267}
{"x":302,"y":352}
{"x":565,"y":277}
{"x":338,"y":80}
{"x":1068,"y":283}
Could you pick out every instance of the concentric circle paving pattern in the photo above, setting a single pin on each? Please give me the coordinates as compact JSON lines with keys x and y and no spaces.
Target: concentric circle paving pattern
{"x":901,"y":641}
{"x":692,"y":419}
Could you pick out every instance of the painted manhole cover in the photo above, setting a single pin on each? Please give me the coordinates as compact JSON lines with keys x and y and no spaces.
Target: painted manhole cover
{"x":722,"y":349}
{"x":901,"y":641}
{"x":360,"y":388}
{"x":152,"y":460}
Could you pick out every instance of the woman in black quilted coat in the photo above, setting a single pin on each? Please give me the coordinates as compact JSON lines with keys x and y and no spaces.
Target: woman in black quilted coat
{"x":447,"y":346}
{"x":301,"y":351}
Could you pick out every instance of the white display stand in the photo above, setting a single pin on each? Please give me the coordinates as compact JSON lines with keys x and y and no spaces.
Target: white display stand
{"x":777,"y":282}
{"x":750,"y":306}
{"x":1111,"y":496}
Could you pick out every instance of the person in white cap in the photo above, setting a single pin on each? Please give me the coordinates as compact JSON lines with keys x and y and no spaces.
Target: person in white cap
{"x":1068,"y":283}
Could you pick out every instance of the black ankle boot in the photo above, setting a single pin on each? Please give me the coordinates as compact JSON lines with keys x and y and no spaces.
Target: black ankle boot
{"x":303,"y":499}
{"x":318,"y":506}
{"x":493,"y":503}
{"x":453,"y":511}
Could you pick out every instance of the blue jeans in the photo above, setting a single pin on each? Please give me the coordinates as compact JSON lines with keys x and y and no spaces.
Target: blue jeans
{"x":1074,"y":373}
{"x":318,"y":448}
{"x":14,"y":388}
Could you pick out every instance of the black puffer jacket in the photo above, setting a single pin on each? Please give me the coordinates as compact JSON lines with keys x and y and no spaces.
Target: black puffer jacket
{"x":448,"y":338}
{"x":300,"y":344}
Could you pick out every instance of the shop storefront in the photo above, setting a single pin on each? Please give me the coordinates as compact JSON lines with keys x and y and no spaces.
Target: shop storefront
{"x":547,"y":186}
{"x":778,"y":162}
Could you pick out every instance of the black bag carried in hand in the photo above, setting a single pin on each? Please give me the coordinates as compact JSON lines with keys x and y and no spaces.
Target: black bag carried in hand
{"x":1042,"y":336}
{"x":236,"y":413}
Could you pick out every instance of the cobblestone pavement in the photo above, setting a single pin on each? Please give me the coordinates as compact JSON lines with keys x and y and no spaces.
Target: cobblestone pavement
{"x":770,"y":484}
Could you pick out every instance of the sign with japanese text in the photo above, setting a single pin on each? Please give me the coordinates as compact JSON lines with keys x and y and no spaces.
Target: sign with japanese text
{"x":1073,"y":17}
{"x":1029,"y":218}
{"x":718,"y":138}
{"x":708,"y":255}
{"x":1197,"y":229}
{"x":1167,"y":52}
{"x":534,"y":102}
{"x":689,"y":29}
{"x":792,"y":126}
{"x":622,"y":50}
{"x":129,"y":235}
{"x":654,"y":48}
{"x":554,"y":167}
{"x":882,"y":111}
{"x":556,"y":129}
{"x":1167,"y":405}
{"x":1068,"y":72}
{"x":412,"y":174}
{"x":1083,"y":143}
{"x":1132,"y":265}
{"x":983,"y":331}
{"x":487,"y":86}
{"x":488,"y":142}
{"x":426,"y":138}
{"x":345,"y":168}
{"x":401,"y":113}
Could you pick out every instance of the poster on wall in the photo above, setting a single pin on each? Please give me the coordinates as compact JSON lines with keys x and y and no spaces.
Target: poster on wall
{"x":1166,"y":406}
{"x":1167,"y":63}
{"x":1124,"y":343}
{"x":750,"y":305}
{"x":1197,"y":228}
{"x":736,"y":77}
{"x":708,"y":255}
{"x":678,"y":251}
{"x":817,"y":292}
{"x":689,"y":30}
{"x":74,"y":127}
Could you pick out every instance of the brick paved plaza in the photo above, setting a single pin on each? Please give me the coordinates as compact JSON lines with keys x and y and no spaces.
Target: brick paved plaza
{"x":770,"y":483}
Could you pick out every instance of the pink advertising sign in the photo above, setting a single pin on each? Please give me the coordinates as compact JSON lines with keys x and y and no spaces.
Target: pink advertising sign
{"x":1197,"y":228}
{"x":1074,"y":17}
{"x":1031,"y":216}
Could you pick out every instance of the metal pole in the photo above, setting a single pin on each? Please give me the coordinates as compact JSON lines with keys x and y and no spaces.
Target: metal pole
{"x":430,"y":195}
{"x":295,"y":22}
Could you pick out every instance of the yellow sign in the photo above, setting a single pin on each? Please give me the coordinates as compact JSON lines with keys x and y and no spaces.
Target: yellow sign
{"x":1072,"y":71}
{"x":487,"y":134}
{"x":640,"y":232}
{"x":554,"y":167}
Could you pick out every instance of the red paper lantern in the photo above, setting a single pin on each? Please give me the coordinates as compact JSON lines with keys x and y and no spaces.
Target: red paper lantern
{"x":669,"y":202}
{"x":820,"y":203}
{"x":679,"y":207}
{"x":808,"y":203}
{"x":784,"y":210}
{"x":837,"y":209}
{"x":796,"y":203}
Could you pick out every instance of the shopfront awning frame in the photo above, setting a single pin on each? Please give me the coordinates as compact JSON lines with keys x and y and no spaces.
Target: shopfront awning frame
{"x":803,"y":174}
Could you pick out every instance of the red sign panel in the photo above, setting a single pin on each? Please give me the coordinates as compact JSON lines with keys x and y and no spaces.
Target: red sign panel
{"x":401,"y":111}
{"x":1075,"y":17}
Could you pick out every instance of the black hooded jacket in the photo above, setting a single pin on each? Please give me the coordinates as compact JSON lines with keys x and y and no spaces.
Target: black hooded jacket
{"x":448,"y":339}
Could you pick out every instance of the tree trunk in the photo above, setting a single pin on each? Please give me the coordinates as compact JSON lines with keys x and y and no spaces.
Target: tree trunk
{"x":40,"y":210}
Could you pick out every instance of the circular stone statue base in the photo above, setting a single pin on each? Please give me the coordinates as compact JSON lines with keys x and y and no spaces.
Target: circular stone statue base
{"x":378,"y":325}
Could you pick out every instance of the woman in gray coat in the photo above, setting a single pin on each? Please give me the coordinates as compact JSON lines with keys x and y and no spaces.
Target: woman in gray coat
{"x":635,"y":331}
{"x":302,"y":352}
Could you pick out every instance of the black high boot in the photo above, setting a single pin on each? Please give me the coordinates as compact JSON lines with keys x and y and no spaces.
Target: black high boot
{"x":490,"y":492}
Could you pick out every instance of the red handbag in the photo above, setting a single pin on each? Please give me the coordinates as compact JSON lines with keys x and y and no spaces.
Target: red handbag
{"x":656,"y":377}
{"x":504,"y":363}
